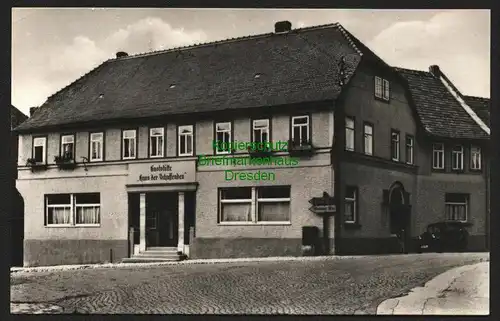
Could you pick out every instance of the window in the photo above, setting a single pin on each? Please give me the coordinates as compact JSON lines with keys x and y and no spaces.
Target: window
{"x":67,"y":146}
{"x":96,"y":147}
{"x":456,"y":207}
{"x":129,"y":144}
{"x":185,"y":140}
{"x":350,"y":210}
{"x":368,"y":139}
{"x":223,"y":138}
{"x":475,"y":158}
{"x":156,"y":141}
{"x":457,"y":158}
{"x":265,"y":204}
{"x":409,"y":149}
{"x":300,"y":130}
{"x":349,"y":133}
{"x":438,"y":156}
{"x":394,"y":145}
{"x":382,"y":88}
{"x":73,"y":209}
{"x":39,"y":148}
{"x":260,"y":130}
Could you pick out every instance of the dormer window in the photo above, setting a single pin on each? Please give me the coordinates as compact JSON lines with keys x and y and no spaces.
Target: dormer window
{"x":382,"y":88}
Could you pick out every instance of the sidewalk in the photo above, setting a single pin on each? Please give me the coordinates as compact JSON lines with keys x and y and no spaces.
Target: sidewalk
{"x":195,"y":261}
{"x":460,"y":291}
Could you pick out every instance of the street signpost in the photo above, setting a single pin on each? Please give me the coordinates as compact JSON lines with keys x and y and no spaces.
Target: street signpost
{"x":321,"y":209}
{"x":322,"y":205}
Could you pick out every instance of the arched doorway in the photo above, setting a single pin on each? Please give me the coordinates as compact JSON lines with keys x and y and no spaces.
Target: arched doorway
{"x":399,"y":213}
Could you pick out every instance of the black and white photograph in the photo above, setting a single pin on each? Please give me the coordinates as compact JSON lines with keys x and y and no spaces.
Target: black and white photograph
{"x":250,"y":161}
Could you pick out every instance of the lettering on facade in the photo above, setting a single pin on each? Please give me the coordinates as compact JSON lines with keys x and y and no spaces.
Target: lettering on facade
{"x":178,"y":172}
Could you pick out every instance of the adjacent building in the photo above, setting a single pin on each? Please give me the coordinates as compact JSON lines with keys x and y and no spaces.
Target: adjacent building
{"x":17,"y":216}
{"x":162,"y":152}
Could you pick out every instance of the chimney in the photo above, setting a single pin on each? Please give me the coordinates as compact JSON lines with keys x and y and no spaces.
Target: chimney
{"x":282,"y":26}
{"x":435,"y":71}
{"x":32,"y":110}
{"x":121,"y":54}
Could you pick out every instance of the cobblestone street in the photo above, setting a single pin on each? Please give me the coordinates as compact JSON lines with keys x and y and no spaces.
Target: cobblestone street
{"x":330,"y":286}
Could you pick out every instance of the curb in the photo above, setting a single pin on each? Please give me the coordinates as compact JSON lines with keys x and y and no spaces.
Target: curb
{"x":208,"y":261}
{"x":186,"y":262}
{"x":414,"y":302}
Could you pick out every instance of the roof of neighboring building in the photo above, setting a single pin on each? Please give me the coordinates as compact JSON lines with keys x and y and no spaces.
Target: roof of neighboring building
{"x":481,"y":106}
{"x":16,"y":117}
{"x":256,"y":71}
{"x":440,"y":112}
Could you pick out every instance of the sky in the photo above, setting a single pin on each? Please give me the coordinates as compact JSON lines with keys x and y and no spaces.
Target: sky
{"x":52,"y":47}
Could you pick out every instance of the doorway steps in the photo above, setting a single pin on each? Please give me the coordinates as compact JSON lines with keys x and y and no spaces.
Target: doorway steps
{"x":154,"y":254}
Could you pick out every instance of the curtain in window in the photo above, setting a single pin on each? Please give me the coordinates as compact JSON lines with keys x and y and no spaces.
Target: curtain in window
{"x":87,"y":215}
{"x":59,"y":215}
{"x":236,"y":212}
{"x":274,"y":212}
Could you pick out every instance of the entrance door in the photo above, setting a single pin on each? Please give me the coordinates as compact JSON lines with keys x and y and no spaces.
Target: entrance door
{"x":161,"y":219}
{"x":400,"y":222}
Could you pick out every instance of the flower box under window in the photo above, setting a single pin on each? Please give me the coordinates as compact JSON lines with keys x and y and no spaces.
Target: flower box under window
{"x":35,"y":166}
{"x":259,"y":150}
{"x":304,"y":148}
{"x":65,"y":161}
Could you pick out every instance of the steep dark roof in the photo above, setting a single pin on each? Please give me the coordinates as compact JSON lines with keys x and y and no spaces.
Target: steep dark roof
{"x":481,"y":106}
{"x":16,"y":117}
{"x":294,"y":67}
{"x":439,"y":111}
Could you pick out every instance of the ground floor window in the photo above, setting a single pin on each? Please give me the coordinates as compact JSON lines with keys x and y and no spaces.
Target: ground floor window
{"x":263,"y":204}
{"x":456,"y":207}
{"x":72,"y":209}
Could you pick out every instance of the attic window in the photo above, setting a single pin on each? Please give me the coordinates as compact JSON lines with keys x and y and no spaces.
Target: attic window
{"x":172,"y":86}
{"x":257,"y":76}
{"x":101,"y":96}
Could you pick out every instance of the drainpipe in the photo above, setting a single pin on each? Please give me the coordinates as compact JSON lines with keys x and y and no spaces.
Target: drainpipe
{"x":338,"y":150}
{"x":487,"y":220}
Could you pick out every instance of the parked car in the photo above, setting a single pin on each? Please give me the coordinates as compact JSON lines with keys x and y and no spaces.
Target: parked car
{"x":444,"y":236}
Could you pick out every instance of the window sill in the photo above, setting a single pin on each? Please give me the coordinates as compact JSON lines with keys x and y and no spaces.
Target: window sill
{"x":384,"y":100}
{"x":253,"y":223}
{"x":186,"y":155}
{"x":352,"y":225}
{"x":72,"y":225}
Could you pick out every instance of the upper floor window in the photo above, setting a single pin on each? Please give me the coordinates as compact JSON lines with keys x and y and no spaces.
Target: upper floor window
{"x":223,"y":138}
{"x":457,"y":158}
{"x":382,"y":88}
{"x":72,"y":209}
{"x":438,"y":156}
{"x":475,"y":158}
{"x":368,"y":139}
{"x":260,"y":130}
{"x":350,"y":211}
{"x":300,"y":130}
{"x":129,"y":144}
{"x":96,"y":147}
{"x":156,"y":141}
{"x":456,"y":207}
{"x":185,"y":140}
{"x":68,"y":146}
{"x":409,"y":149}
{"x":349,"y":133}
{"x":39,"y":149}
{"x":394,"y":145}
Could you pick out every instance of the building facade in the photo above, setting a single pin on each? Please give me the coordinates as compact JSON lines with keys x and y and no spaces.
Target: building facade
{"x":218,"y":150}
